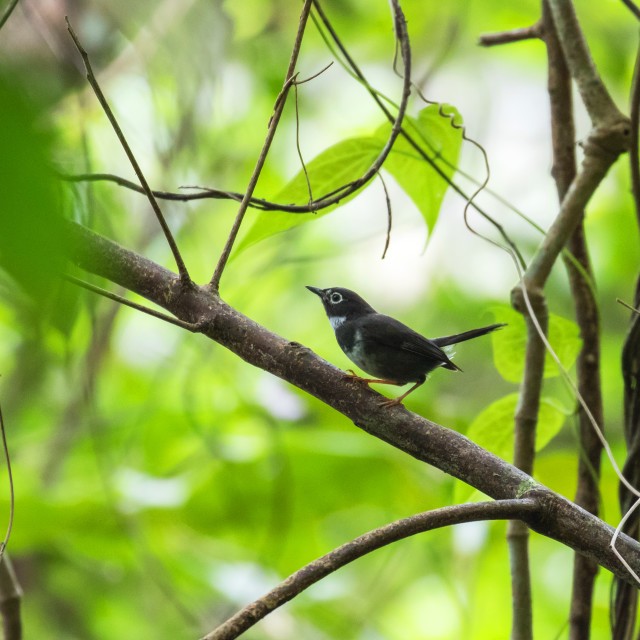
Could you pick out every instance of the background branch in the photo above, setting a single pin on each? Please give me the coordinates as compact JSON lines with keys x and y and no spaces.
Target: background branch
{"x":10,"y":599}
{"x":597,"y":100}
{"x":315,"y":571}
{"x":607,"y":140}
{"x":625,"y":597}
{"x":587,"y":318}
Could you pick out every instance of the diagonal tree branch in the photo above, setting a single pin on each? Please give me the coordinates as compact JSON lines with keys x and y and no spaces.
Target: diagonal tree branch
{"x":443,"y":448}
{"x":182,"y":269}
{"x":262,"y":158}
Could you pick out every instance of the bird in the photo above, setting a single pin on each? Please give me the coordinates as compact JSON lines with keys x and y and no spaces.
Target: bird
{"x":385,"y":347}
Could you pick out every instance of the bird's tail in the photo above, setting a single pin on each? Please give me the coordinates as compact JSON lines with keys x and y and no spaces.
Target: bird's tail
{"x":467,"y":335}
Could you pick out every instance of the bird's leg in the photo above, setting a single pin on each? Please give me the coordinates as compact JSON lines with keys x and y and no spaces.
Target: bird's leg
{"x":396,"y":401}
{"x":352,"y":375}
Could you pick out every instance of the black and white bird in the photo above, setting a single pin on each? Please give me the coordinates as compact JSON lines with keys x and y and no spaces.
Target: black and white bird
{"x":384,"y":347}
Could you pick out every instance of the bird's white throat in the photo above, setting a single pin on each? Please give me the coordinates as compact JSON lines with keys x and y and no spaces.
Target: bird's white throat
{"x":336,"y":321}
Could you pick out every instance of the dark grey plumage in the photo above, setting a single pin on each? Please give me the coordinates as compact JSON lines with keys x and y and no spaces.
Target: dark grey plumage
{"x":384,"y":347}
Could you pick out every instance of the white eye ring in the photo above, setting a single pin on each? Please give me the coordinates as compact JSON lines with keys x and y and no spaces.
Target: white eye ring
{"x":335,"y":298}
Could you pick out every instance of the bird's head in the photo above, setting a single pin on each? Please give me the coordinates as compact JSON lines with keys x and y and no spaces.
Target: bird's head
{"x":342,"y":304}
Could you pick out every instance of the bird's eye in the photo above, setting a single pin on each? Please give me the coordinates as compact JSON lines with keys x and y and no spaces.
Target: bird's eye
{"x":335,"y":298}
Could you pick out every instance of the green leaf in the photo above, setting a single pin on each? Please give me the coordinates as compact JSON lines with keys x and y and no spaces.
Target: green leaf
{"x":493,"y":429}
{"x":348,"y":160}
{"x":30,"y":225}
{"x":338,"y":165}
{"x":440,"y":141}
{"x":509,"y":345}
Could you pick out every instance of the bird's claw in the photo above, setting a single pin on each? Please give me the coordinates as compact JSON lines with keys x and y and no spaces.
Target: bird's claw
{"x":350,"y":374}
{"x":391,"y":402}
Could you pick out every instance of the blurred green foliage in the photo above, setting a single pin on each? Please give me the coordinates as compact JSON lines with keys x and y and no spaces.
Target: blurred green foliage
{"x":509,"y":344}
{"x":161,"y":482}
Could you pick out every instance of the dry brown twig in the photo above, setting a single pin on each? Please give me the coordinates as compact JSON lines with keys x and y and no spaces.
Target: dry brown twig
{"x":182,"y":269}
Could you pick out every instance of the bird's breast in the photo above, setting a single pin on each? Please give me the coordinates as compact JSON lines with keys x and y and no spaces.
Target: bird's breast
{"x":352,"y":341}
{"x":346,"y":336}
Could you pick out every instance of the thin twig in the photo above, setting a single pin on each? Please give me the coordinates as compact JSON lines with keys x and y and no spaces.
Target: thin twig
{"x":627,"y":305}
{"x":182,"y":269}
{"x":8,"y":11}
{"x":190,"y":326}
{"x":205,"y":192}
{"x":525,"y":422}
{"x":389,"y":216}
{"x":298,"y":149}
{"x":353,"y":68}
{"x":587,"y":316}
{"x":315,"y":75}
{"x":296,"y":84}
{"x":633,"y":7}
{"x":513,"y":35}
{"x":346,"y":189}
{"x":273,"y":125}
{"x":363,"y":545}
{"x":5,"y":446}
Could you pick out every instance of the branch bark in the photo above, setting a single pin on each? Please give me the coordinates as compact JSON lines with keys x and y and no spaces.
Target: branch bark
{"x":526,"y":420}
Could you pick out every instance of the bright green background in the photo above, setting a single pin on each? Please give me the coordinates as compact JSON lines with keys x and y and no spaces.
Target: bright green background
{"x":161,"y":483}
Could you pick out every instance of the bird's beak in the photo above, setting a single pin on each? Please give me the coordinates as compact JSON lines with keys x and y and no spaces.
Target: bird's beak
{"x":318,"y":292}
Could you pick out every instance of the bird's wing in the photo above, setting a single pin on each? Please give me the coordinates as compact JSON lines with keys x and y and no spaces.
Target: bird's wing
{"x":390,"y":332}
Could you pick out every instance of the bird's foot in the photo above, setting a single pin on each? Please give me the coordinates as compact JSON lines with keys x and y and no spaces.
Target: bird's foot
{"x":354,"y":377}
{"x":391,"y":402}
